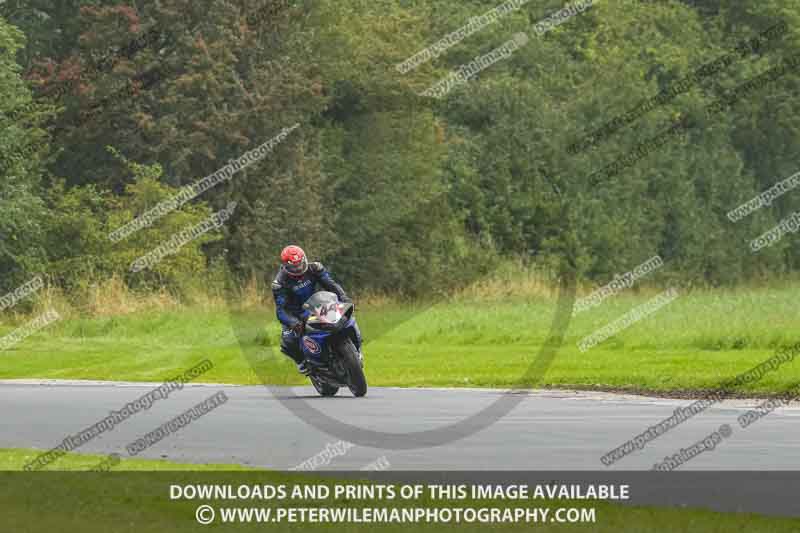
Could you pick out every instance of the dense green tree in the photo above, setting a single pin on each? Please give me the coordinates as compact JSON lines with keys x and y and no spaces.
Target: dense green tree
{"x":23,"y":151}
{"x":393,"y":190}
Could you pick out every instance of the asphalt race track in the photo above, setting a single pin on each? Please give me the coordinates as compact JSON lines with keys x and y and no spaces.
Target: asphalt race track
{"x":548,"y":430}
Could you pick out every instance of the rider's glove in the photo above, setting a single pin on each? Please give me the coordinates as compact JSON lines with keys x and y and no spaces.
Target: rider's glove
{"x":298,"y":329}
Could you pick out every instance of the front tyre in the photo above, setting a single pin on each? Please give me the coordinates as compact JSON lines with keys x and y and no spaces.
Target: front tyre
{"x":356,"y":381}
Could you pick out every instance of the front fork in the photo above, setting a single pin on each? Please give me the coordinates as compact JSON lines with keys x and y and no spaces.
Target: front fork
{"x":358,"y":341}
{"x":356,"y":336}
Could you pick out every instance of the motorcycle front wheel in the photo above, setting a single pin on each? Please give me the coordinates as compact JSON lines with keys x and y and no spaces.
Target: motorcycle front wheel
{"x":356,"y":381}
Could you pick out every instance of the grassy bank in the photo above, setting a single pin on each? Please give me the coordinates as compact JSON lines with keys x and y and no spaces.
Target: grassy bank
{"x":692,"y":343}
{"x":14,"y":459}
{"x":127,"y":500}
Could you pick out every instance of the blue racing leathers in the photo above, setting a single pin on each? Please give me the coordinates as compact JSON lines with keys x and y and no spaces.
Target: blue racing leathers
{"x":290,"y":293}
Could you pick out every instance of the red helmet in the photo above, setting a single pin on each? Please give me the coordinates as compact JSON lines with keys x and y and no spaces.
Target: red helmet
{"x":294,"y":261}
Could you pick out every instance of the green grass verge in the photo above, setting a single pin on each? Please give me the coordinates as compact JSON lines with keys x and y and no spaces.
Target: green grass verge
{"x":693,"y":343}
{"x":13,"y":459}
{"x":126,"y":500}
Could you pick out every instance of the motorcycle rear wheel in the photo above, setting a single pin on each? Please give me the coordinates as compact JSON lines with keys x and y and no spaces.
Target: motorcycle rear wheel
{"x":356,"y":381}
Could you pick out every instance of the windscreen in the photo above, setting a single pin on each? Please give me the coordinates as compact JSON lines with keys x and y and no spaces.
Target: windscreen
{"x":325,"y":307}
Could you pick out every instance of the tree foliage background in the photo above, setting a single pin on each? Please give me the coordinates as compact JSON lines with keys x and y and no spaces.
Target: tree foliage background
{"x":394,"y":191}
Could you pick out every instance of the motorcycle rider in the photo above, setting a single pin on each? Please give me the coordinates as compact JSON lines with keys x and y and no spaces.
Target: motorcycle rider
{"x":295,"y":282}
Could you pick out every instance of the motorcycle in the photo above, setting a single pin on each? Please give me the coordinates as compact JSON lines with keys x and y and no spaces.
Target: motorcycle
{"x":331,"y":347}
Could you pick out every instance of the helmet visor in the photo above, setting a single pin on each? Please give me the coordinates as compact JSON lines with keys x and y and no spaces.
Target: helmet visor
{"x":296,"y":268}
